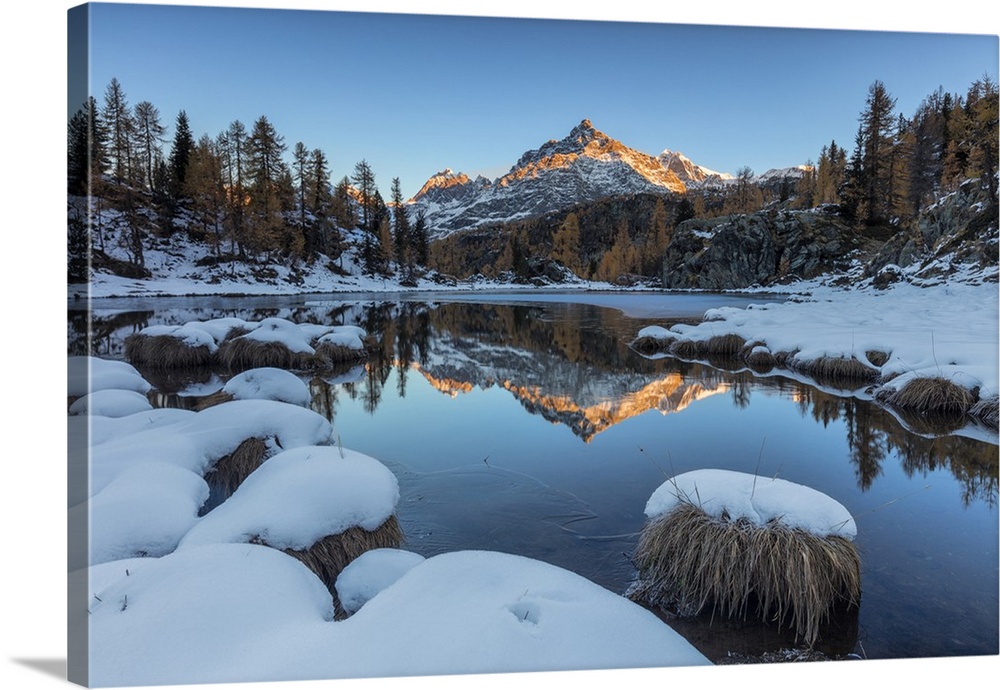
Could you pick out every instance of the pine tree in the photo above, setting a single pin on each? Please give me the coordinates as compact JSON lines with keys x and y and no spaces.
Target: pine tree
{"x":364,"y":180}
{"x":401,"y":233}
{"x":117,"y":116}
{"x":180,"y":154}
{"x":900,"y":169}
{"x":419,"y":240}
{"x":342,"y":208}
{"x":871,"y":193}
{"x":327,"y":238}
{"x":566,"y":243}
{"x":204,"y":185}
{"x":268,"y":181}
{"x":232,"y":146}
{"x":149,"y":133}
{"x":86,"y":146}
{"x":982,"y":105}
{"x":300,"y":166}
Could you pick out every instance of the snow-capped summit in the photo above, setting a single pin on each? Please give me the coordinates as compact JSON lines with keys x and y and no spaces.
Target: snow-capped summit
{"x":443,"y":186}
{"x":690,"y":173}
{"x":585,"y":165}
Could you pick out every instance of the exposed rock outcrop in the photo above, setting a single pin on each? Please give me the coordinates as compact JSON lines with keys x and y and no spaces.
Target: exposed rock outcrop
{"x":960,"y":228}
{"x":761,"y":248}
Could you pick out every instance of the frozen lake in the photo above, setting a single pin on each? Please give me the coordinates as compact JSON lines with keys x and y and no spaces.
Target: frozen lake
{"x":524,"y":423}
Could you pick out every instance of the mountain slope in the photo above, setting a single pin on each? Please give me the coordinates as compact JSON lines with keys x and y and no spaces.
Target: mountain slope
{"x":586,"y":165}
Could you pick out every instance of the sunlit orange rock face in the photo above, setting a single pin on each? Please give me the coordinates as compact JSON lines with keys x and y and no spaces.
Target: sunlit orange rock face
{"x":587,"y":165}
{"x":668,"y":395}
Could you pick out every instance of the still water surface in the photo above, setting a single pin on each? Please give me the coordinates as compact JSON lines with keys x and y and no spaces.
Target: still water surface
{"x":525,"y":424}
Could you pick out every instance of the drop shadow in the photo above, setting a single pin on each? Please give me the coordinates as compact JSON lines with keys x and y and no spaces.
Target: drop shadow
{"x":50,"y":667}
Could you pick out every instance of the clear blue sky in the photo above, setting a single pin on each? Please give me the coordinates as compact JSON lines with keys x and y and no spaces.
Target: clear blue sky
{"x":416,"y":94}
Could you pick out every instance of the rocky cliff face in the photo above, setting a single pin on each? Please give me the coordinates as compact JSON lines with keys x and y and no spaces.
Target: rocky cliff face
{"x":960,"y":229}
{"x":771,"y":247}
{"x":756,"y":249}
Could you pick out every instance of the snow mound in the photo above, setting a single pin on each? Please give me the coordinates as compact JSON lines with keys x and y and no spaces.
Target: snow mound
{"x":144,"y":512}
{"x":89,"y":374}
{"x":761,"y":500}
{"x":197,"y":441}
{"x":275,"y":330}
{"x":370,"y":573}
{"x":300,"y":496}
{"x":111,"y":403}
{"x":268,"y":383}
{"x":244,"y":612}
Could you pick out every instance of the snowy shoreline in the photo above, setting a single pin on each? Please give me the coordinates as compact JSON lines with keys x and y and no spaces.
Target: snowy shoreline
{"x":871,"y":343}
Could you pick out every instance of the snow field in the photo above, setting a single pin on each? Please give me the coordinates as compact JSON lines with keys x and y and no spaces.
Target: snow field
{"x":182,"y":598}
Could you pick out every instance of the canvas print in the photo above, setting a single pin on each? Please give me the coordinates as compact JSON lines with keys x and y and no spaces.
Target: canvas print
{"x":411,"y":345}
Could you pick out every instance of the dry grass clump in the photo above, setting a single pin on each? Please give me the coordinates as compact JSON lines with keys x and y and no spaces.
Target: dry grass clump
{"x":987,"y":411}
{"x":241,"y":354}
{"x":333,"y":353}
{"x":331,"y":554}
{"x":649,"y":346}
{"x":934,"y":395}
{"x":230,"y":470}
{"x":728,"y":345}
{"x":165,"y":351}
{"x":760,"y":360}
{"x":877,"y":357}
{"x":838,"y":371}
{"x":216,"y":398}
{"x":693,"y":562}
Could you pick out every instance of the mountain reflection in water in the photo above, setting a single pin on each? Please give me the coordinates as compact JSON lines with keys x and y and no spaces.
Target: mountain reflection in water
{"x":533,"y":428}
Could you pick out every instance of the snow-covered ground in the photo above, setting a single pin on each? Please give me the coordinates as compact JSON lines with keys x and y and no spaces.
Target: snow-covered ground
{"x":180,"y":598}
{"x":945,"y":329}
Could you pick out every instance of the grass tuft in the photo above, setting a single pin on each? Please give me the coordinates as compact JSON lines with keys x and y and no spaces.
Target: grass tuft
{"x":230,"y":470}
{"x":165,"y":351}
{"x":838,"y":371}
{"x":692,"y":562}
{"x":330,"y":555}
{"x":933,"y":395}
{"x":241,"y":354}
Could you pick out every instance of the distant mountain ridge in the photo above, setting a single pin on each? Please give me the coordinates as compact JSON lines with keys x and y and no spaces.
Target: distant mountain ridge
{"x":586,"y":165}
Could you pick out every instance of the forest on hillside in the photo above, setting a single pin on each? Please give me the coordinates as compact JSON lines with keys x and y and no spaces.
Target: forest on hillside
{"x":246,"y":197}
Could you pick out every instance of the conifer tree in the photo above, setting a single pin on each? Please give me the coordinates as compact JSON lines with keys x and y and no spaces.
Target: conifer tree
{"x":982,"y":106}
{"x":343,"y":205}
{"x":149,"y":133}
{"x":401,"y":233}
{"x":872,"y":163}
{"x":419,"y":239}
{"x":566,"y":243}
{"x":269,"y":181}
{"x":86,"y":149}
{"x":180,"y":154}
{"x":232,"y":146}
{"x":117,"y":116}
{"x":204,"y":185}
